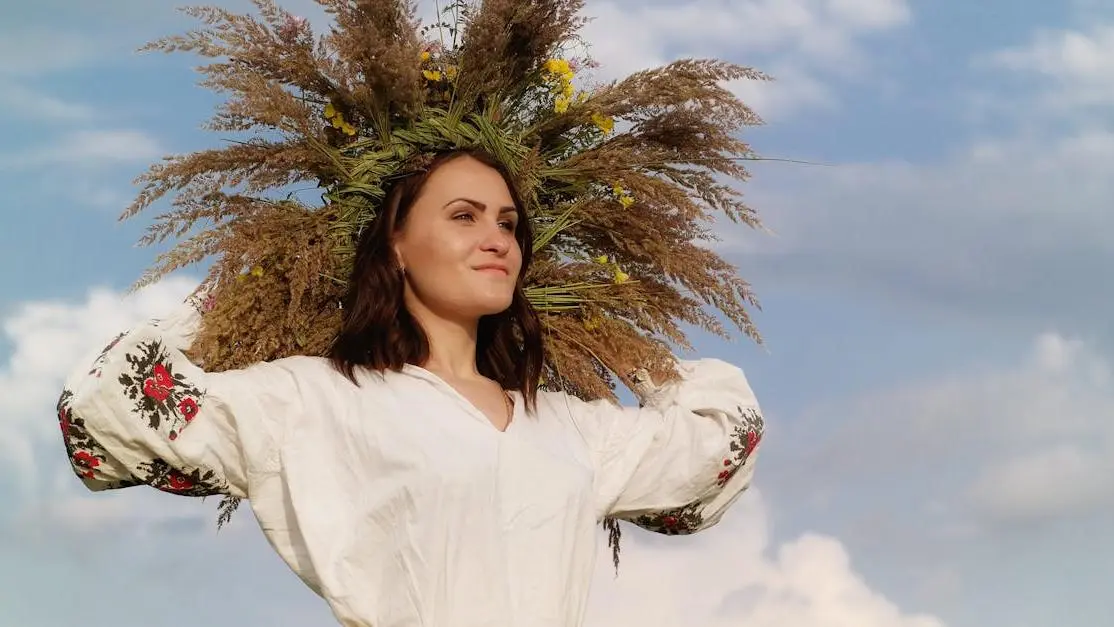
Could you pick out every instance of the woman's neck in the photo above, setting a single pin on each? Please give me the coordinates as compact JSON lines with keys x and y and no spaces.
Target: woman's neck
{"x":452,"y":346}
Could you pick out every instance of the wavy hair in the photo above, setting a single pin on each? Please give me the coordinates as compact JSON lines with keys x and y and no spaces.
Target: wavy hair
{"x":379,"y":333}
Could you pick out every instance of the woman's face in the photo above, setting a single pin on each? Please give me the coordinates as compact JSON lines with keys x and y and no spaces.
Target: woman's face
{"x":457,"y":243}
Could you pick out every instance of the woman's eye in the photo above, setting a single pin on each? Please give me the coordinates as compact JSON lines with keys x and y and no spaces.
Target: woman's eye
{"x":508,"y":225}
{"x":467,"y":217}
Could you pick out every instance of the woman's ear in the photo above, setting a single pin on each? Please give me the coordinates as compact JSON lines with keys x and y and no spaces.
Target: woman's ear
{"x":396,"y":248}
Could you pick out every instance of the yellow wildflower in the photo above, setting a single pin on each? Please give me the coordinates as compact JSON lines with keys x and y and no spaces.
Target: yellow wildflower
{"x":602,"y":260}
{"x":623,"y":195}
{"x":450,"y":72}
{"x":591,"y":324}
{"x":330,"y":111}
{"x":620,"y":276}
{"x":558,"y":67}
{"x":425,"y":56}
{"x":257,"y":271}
{"x":561,"y":75}
{"x":603,"y":122}
{"x":432,"y":75}
{"x":561,"y":104}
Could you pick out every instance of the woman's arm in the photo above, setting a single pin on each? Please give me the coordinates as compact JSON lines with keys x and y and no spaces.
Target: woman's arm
{"x":675,"y":465}
{"x":142,"y":413}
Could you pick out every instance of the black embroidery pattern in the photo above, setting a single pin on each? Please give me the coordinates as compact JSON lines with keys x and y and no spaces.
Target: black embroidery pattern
{"x":160,"y":395}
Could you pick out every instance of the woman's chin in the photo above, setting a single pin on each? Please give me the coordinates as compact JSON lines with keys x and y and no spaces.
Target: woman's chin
{"x":495,"y":304}
{"x":479,"y":306}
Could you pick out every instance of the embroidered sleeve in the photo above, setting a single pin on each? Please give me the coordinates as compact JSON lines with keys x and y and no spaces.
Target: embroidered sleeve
{"x":677,"y":464}
{"x":141,"y":413}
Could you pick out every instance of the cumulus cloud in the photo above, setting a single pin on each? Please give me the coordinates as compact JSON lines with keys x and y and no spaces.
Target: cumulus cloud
{"x":796,"y":41}
{"x":1009,"y":223}
{"x":26,"y":103}
{"x":735,"y":575}
{"x":1012,"y":227}
{"x":90,"y":148}
{"x":1065,"y":480}
{"x":35,"y":49}
{"x":1030,"y":442}
{"x":1074,"y":67}
{"x":125,"y":555}
{"x":48,"y":340}
{"x":961,"y":486}
{"x":821,"y":31}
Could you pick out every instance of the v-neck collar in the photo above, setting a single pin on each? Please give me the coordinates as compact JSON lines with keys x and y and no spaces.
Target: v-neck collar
{"x":476,"y":412}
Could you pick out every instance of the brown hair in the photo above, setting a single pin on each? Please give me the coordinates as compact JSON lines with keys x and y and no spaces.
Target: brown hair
{"x":378,"y":331}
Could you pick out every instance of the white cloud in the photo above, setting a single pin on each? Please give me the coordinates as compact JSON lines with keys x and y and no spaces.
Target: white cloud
{"x":796,"y":41}
{"x":48,"y":340}
{"x":58,"y":35}
{"x":1074,"y":68}
{"x":734,"y":575}
{"x":35,"y":49}
{"x":986,"y":471}
{"x":1014,"y":227}
{"x":91,"y":148}
{"x":791,"y":91}
{"x":1065,"y":480}
{"x":1072,"y":54}
{"x":25,"y":104}
{"x":1011,"y":225}
{"x":1025,"y":443}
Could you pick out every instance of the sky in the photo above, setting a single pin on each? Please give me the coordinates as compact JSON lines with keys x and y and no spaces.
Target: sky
{"x":938,"y":366}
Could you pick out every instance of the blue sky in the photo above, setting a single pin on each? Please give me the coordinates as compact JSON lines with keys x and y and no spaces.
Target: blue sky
{"x":939,"y":366}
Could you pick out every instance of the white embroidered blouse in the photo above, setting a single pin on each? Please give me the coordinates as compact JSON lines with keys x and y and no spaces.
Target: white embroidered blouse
{"x":398,"y":501}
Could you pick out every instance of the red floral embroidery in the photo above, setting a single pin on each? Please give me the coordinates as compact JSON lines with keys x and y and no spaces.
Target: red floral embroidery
{"x":167,"y":399}
{"x":162,"y":376}
{"x":680,"y":521}
{"x":753,"y":438}
{"x":690,"y":518}
{"x":84,"y":453}
{"x":64,"y":421}
{"x":84,"y":459}
{"x":158,"y":474}
{"x":746,"y":439}
{"x":188,"y":408}
{"x":177,"y":481}
{"x":158,"y":392}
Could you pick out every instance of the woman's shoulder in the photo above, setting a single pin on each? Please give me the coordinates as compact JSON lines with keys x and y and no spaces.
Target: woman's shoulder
{"x":322,"y":370}
{"x":322,"y":375}
{"x":563,"y":407}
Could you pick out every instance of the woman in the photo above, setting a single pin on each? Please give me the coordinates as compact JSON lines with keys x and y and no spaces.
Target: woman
{"x":417,"y":476}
